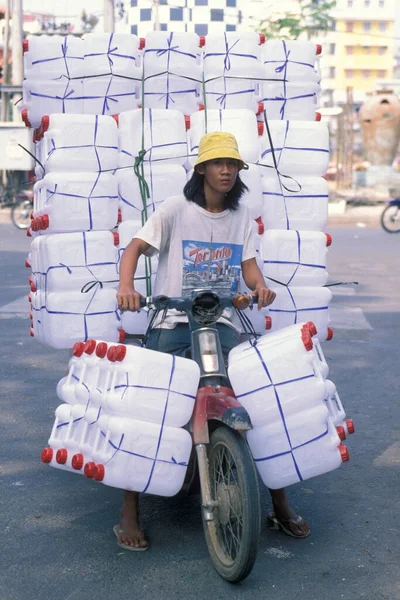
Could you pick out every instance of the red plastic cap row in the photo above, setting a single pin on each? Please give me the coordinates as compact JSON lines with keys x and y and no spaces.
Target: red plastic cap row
{"x":311,"y":328}
{"x":116,"y":353}
{"x":90,"y":346}
{"x":350,"y":426}
{"x":93,"y":471}
{"x":47,"y":455}
{"x":40,"y":223}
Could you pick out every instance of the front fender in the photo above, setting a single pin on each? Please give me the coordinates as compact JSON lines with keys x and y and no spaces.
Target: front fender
{"x":220,"y":406}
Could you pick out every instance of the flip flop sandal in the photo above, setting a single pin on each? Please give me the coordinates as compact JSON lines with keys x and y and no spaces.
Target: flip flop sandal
{"x":117,"y":531}
{"x":275,"y":523}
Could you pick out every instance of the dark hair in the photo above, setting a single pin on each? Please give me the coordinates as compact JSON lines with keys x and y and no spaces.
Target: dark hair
{"x":194,"y":191}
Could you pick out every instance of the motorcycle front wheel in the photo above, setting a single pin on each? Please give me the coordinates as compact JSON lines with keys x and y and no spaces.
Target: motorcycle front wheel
{"x":21,"y":214}
{"x":390,"y":219}
{"x":233,"y":536}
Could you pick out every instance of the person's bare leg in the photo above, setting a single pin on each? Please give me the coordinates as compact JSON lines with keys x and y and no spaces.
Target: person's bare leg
{"x":284,"y":512}
{"x":130,"y":532}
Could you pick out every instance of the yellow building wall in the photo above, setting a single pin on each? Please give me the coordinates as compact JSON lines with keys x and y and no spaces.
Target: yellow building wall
{"x":365,"y":64}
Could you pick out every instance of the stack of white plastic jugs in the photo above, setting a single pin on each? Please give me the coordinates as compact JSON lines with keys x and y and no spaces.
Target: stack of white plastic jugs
{"x":99,"y":74}
{"x":74,"y":253}
{"x":123,"y":417}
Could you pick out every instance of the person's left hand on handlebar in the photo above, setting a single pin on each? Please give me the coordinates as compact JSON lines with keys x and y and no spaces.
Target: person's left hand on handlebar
{"x":265,"y":296}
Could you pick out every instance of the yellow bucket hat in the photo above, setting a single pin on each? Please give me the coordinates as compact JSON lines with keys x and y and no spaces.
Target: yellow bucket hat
{"x":219,"y":144}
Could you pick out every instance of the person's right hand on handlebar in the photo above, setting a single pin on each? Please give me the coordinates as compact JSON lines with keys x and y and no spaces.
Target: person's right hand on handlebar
{"x":128,"y":298}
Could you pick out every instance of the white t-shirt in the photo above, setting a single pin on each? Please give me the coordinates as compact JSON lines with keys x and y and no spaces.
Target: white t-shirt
{"x":197,"y":249}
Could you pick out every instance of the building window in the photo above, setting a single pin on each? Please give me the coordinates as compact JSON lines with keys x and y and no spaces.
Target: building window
{"x":133,"y":3}
{"x":366,"y":73}
{"x":349,"y":49}
{"x":349,"y":26}
{"x":366,"y":26}
{"x":201,"y":2}
{"x":381,"y":73}
{"x":164,"y":26}
{"x":145,"y":14}
{"x":348,"y":73}
{"x":134,"y":29}
{"x":176,"y":14}
{"x":231,"y":3}
{"x":382,"y":27}
{"x":163,"y":2}
{"x":332,"y":72}
{"x":332,"y":48}
{"x":382,"y":50}
{"x":231,"y":28}
{"x":201,"y":29}
{"x":216,"y":14}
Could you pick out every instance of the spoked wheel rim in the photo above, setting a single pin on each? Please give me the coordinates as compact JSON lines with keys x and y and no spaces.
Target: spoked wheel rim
{"x":21,"y":214}
{"x":391,"y":219}
{"x":226,"y":492}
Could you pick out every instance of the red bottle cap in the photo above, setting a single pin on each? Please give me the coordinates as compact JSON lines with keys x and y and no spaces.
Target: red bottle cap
{"x":260,"y":108}
{"x":31,"y":316}
{"x":45,"y":124}
{"x":350,"y":426}
{"x":111,"y":354}
{"x":31,"y":332}
{"x":101,"y":350}
{"x":260,"y":127}
{"x":268,"y":323}
{"x":328,"y":239}
{"x":201,"y":107}
{"x":116,"y":118}
{"x":318,"y":116}
{"x":119,"y":220}
{"x":90,"y":346}
{"x":344,"y":453}
{"x":142,"y":43}
{"x":318,"y":49}
{"x":45,"y":221}
{"x":47,"y":455}
{"x":120,"y":353}
{"x":90,"y":470}
{"x":100,"y":472}
{"x":311,"y":328}
{"x":187,"y":122}
{"x":77,"y":462}
{"x":61,"y":456}
{"x":116,"y":237}
{"x":329,"y":334}
{"x":29,"y":298}
{"x":27,"y":263}
{"x":202,"y":41}
{"x":78,"y":349}
{"x":25,"y":46}
{"x":25,"y":118}
{"x":341,"y":432}
{"x":33,"y":287}
{"x":306,"y":339}
{"x":122,"y":336}
{"x":261,"y":227}
{"x":29,"y":232}
{"x":262,"y":39}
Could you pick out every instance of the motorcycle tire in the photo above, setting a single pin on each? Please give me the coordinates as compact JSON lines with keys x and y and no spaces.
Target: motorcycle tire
{"x":21,"y":214}
{"x":390,"y":219}
{"x":233,"y":536}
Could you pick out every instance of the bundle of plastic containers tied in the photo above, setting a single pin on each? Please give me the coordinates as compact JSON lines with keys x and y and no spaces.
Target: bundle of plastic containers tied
{"x":165,"y":92}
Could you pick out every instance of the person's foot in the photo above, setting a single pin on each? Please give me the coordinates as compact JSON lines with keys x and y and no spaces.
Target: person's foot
{"x":130,"y":536}
{"x":285,"y":517}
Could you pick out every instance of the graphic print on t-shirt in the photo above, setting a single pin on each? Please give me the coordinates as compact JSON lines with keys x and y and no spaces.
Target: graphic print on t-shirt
{"x":212,"y":265}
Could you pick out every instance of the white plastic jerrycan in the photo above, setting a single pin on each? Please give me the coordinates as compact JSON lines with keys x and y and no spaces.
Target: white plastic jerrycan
{"x":110,"y":94}
{"x":116,"y":54}
{"x":290,"y":60}
{"x":50,"y":57}
{"x":172,"y":52}
{"x":287,"y":100}
{"x":300,"y":203}
{"x":233,"y":54}
{"x":295,"y":258}
{"x":46,"y":97}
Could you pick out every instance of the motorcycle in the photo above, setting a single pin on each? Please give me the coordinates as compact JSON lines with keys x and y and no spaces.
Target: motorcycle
{"x":390,"y":217}
{"x":230,"y":497}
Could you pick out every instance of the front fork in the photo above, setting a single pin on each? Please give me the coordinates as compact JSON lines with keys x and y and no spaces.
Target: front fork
{"x":218,"y":404}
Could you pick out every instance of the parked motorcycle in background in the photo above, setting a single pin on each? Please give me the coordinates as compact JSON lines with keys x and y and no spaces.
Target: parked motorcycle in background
{"x":390,"y":217}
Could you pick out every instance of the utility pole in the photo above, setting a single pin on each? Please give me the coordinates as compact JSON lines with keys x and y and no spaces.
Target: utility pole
{"x":17,"y":60}
{"x":6,"y":67}
{"x":109,"y":16}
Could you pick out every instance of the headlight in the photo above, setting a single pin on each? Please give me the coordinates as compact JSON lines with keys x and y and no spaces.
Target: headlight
{"x":209,"y":352}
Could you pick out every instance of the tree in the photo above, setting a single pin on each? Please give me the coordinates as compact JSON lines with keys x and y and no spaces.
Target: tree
{"x":313,"y":18}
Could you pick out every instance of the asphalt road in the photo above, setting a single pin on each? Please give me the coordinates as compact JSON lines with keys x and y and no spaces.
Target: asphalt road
{"x":56,"y":528}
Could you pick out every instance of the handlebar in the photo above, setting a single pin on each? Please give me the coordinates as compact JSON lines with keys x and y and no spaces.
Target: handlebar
{"x":238,"y":301}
